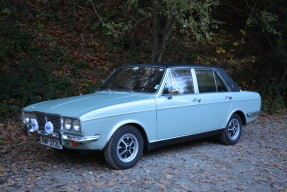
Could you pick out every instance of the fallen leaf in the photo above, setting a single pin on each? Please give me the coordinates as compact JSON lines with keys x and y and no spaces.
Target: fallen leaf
{"x":99,"y":184}
{"x":30,"y":186}
{"x":277,"y":165}
{"x":162,"y":187}
{"x":71,"y":188}
{"x":185,"y":188}
{"x":42,"y":164}
{"x":149,"y":182}
{"x":240,"y":187}
{"x":11,"y":182}
{"x":168,"y":176}
{"x":111,"y":183}
{"x":164,"y":182}
{"x":21,"y":158}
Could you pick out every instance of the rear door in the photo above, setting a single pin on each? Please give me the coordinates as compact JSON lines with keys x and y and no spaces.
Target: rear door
{"x":215,"y":97}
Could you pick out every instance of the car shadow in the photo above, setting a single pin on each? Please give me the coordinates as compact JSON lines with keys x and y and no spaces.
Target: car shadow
{"x":84,"y":157}
{"x":90,"y":159}
{"x":174,"y":148}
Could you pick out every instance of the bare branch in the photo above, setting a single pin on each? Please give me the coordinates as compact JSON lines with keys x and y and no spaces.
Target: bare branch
{"x":96,"y":11}
{"x":94,"y":7}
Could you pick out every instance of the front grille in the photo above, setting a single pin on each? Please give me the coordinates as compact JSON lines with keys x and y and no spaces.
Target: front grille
{"x":42,"y":118}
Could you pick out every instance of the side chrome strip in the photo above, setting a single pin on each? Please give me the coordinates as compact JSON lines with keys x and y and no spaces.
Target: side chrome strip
{"x":253,"y":114}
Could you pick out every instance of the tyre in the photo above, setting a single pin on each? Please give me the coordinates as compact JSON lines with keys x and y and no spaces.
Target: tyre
{"x":232,"y":133}
{"x":125,"y":148}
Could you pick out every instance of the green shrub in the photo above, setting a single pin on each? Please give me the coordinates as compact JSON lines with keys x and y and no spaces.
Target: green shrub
{"x":30,"y":83}
{"x":27,"y":78}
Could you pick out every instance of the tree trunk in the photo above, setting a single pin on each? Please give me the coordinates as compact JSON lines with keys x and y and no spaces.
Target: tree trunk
{"x":165,"y":39}
{"x":155,"y":28}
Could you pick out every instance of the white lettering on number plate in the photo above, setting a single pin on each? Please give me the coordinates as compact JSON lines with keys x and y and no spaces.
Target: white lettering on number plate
{"x":51,"y":142}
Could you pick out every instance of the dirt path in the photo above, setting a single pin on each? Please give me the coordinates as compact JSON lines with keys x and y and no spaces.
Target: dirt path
{"x":257,"y":163}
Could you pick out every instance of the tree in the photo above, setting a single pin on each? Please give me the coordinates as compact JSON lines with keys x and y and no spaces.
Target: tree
{"x":188,"y":17}
{"x":262,"y":25}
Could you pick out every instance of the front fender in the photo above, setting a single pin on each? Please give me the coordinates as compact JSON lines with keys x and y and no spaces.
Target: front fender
{"x":106,"y":127}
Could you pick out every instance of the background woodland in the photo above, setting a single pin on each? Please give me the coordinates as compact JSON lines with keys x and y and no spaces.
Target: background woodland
{"x":59,"y":48}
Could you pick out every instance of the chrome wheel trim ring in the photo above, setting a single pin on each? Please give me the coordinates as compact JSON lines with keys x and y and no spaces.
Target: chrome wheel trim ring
{"x":233,"y":129}
{"x":127,"y":148}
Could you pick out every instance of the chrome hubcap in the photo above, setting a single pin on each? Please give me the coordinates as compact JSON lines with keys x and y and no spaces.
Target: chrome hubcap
{"x":127,"y":147}
{"x":233,"y":129}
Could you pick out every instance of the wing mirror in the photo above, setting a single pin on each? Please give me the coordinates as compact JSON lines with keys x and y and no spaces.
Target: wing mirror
{"x":172,"y":92}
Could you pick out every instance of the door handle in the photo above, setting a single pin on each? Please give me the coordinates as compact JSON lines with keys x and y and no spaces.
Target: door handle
{"x":228,"y":97}
{"x":196,"y":100}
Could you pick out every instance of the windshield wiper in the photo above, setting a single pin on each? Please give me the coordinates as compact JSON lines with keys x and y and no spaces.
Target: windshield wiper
{"x":125,"y":88}
{"x":105,"y":89}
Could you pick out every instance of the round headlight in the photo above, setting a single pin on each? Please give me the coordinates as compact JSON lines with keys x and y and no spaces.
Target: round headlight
{"x":27,"y":117}
{"x":76,"y":125}
{"x":68,"y":124}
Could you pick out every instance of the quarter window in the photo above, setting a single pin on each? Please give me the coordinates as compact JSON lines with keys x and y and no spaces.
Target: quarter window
{"x":208,"y":81}
{"x":220,"y":85}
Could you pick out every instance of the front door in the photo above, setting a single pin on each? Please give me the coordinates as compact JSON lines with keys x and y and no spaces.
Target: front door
{"x":178,"y":109}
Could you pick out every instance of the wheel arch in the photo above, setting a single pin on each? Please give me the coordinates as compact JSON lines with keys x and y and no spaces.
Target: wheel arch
{"x":241,"y":115}
{"x":134,"y":124}
{"x":142,"y":131}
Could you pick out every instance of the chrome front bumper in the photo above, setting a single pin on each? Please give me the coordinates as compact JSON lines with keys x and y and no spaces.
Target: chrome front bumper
{"x":61,"y":136}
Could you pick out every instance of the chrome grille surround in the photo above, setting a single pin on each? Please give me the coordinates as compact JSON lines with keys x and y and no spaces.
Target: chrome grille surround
{"x":42,"y":118}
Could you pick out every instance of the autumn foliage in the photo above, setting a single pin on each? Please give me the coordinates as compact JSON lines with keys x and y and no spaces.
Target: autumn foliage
{"x":52,"y":49}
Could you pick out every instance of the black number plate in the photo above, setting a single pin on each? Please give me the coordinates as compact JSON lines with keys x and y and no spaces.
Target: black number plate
{"x":51,"y":142}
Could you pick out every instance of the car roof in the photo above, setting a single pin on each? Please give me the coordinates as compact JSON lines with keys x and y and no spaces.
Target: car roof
{"x":230,"y":83}
{"x":169,"y":65}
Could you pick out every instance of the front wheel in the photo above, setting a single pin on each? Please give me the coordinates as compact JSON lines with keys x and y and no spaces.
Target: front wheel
{"x":124,"y":148}
{"x":232,"y":133}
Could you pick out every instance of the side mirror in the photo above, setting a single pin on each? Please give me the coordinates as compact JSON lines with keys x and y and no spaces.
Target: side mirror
{"x":172,"y":92}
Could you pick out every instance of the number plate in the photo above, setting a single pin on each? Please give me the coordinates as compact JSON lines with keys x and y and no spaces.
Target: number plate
{"x":51,"y":142}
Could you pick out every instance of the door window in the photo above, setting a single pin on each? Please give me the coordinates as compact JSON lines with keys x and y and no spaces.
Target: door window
{"x":180,"y":80}
{"x":205,"y":81}
{"x":208,"y":81}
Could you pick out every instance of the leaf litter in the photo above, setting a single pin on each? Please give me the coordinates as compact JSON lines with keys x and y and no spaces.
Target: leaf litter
{"x":257,"y":163}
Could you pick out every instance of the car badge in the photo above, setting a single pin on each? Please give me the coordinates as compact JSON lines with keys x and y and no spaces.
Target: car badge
{"x":49,"y":128}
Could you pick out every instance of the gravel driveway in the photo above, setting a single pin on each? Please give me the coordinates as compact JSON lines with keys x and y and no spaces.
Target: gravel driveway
{"x":257,"y":163}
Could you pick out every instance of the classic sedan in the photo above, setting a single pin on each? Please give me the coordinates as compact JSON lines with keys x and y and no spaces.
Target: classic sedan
{"x":145,"y":106}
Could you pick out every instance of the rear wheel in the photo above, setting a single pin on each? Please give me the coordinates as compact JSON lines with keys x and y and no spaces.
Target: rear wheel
{"x":233,"y":131}
{"x":124,"y":148}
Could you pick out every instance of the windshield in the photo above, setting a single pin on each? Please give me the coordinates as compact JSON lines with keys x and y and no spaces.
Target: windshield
{"x":134,"y":79}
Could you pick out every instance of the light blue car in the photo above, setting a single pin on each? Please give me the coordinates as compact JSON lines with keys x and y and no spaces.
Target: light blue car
{"x":145,"y":106}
